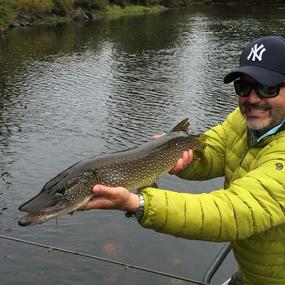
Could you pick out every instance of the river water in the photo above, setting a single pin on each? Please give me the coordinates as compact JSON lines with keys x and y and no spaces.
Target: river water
{"x":73,"y":91}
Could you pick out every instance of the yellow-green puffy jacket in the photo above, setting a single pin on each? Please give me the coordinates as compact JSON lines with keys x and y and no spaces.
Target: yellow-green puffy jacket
{"x":249,"y":211}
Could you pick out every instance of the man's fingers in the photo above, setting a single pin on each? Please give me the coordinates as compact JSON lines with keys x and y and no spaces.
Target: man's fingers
{"x":103,"y":190}
{"x":178,"y":167}
{"x":97,"y":188}
{"x":187,"y":157}
{"x":182,"y":163}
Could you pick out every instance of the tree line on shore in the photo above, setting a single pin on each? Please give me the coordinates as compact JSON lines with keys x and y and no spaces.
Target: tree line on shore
{"x":25,"y":12}
{"x":10,"y":10}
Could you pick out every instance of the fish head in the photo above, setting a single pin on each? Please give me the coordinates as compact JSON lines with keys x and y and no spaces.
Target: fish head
{"x":59,"y":196}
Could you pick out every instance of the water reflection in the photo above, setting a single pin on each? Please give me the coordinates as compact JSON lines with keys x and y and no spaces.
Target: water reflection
{"x":73,"y":91}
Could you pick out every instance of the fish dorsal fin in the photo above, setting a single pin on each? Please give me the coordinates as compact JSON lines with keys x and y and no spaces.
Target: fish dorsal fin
{"x":182,"y":126}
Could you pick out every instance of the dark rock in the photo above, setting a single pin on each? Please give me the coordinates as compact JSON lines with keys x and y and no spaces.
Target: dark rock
{"x":15,"y":24}
{"x":78,"y":15}
{"x":3,"y":31}
{"x":26,"y":18}
{"x":90,"y":16}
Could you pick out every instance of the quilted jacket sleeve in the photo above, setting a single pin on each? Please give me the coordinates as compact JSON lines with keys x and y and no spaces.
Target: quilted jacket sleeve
{"x":252,"y":204}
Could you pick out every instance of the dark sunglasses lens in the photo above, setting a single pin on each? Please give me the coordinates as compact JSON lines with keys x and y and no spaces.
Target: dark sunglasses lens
{"x":267,"y":91}
{"x":242,"y":88}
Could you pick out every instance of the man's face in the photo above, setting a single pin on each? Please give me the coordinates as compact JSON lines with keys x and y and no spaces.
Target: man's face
{"x":262,"y":114}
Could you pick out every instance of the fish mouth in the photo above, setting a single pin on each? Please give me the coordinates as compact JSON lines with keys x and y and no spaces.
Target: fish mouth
{"x":41,"y":208}
{"x":33,"y":218}
{"x":39,"y":217}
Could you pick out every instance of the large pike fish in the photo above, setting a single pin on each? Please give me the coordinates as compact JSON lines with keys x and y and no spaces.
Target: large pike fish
{"x":133,"y":169}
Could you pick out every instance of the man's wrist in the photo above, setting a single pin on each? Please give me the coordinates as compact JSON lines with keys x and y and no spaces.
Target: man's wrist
{"x":138,"y":212}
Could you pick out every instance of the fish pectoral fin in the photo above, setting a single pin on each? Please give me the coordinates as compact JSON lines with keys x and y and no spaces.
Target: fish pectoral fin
{"x":152,"y":185}
{"x":71,"y":213}
{"x":198,"y":154}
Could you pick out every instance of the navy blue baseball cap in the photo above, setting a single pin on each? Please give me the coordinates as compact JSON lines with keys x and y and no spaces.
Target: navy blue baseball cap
{"x":263,"y":60}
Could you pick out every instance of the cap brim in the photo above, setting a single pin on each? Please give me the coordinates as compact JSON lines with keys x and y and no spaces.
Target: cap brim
{"x":263,"y":76}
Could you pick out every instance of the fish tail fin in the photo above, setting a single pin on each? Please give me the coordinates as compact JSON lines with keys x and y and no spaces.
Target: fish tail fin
{"x":182,"y":126}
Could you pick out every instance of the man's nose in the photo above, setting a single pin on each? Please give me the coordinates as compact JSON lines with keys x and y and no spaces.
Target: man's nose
{"x":253,"y":97}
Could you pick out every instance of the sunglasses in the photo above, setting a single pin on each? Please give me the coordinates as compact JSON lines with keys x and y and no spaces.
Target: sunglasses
{"x":243,"y":89}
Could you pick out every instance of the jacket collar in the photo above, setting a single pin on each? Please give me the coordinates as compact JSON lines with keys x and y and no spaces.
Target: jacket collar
{"x":273,"y":131}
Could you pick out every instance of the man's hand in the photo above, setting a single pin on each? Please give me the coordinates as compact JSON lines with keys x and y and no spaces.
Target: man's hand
{"x":118,"y":198}
{"x":182,"y":162}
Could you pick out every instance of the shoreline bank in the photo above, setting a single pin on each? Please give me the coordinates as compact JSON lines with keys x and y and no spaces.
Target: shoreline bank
{"x":10,"y":19}
{"x":26,"y":19}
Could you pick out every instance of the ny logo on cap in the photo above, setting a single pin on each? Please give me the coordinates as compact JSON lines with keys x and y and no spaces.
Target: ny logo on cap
{"x":256,"y":52}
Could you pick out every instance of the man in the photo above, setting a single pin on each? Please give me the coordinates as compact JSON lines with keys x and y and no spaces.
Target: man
{"x":248,"y":148}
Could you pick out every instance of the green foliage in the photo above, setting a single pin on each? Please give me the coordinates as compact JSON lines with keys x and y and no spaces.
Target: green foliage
{"x":131,"y":9}
{"x":62,"y":7}
{"x":7,"y":13}
{"x":33,"y":6}
{"x":101,"y":4}
{"x":10,"y":9}
{"x":91,"y":4}
{"x":121,"y":3}
{"x":173,"y":3}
